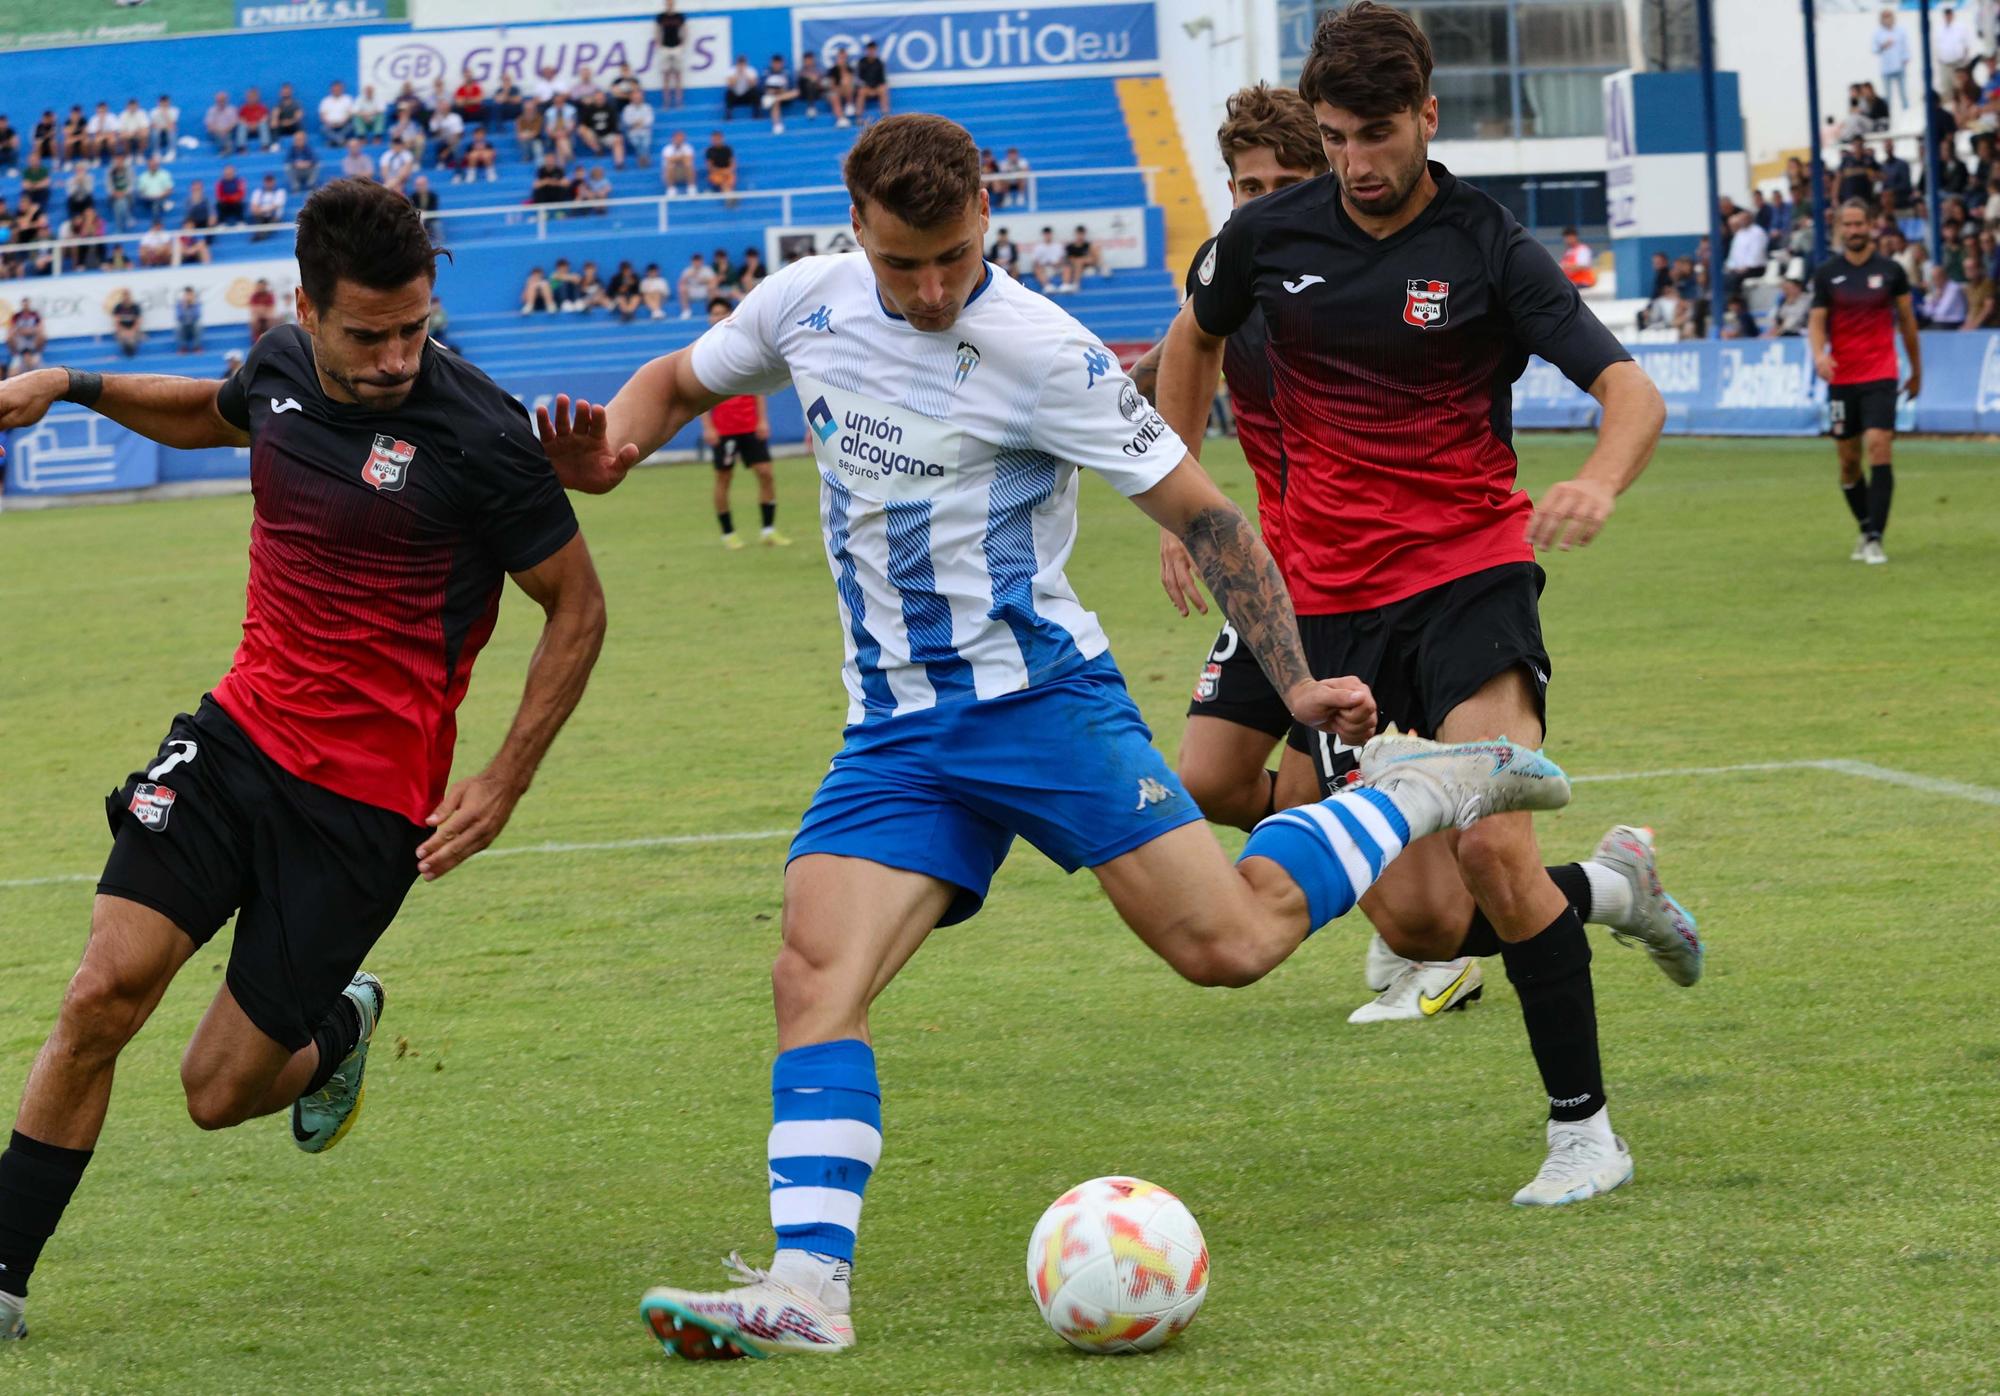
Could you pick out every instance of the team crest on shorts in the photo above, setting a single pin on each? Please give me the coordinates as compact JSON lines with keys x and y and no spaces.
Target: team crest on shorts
{"x":388,"y":466}
{"x":1210,"y":681}
{"x":151,"y":804}
{"x":1428,"y":304}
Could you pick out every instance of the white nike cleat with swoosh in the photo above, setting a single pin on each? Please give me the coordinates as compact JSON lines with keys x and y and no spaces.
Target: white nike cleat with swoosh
{"x":1426,"y":989}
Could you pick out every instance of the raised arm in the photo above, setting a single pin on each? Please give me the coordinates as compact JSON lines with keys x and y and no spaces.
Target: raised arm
{"x":595,"y":446}
{"x":172,"y":411}
{"x":475,"y":810}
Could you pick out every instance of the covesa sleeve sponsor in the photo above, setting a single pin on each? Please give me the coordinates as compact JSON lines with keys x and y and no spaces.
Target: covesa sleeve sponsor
{"x":876,"y":450}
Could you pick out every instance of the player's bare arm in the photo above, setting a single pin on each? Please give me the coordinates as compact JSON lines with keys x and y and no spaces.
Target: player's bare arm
{"x":1913,"y":346}
{"x":1177,"y":571}
{"x":1816,"y":336}
{"x":594,"y":446}
{"x":171,"y":410}
{"x":1574,"y":512}
{"x":474,"y":811}
{"x":1184,"y":379}
{"x":1250,"y":590}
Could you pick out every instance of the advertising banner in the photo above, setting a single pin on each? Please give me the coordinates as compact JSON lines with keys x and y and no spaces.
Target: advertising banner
{"x":387,"y":61}
{"x":279,"y":14}
{"x":1120,"y":234}
{"x":80,"y":303}
{"x":966,"y":43}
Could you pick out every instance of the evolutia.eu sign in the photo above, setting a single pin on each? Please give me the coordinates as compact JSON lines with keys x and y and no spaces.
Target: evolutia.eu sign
{"x":982,"y":43}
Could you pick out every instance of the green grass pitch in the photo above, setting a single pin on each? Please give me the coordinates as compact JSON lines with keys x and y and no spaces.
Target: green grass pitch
{"x":568,"y":1100}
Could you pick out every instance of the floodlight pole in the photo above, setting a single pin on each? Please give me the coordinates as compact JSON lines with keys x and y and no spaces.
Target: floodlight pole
{"x":1718,"y":304}
{"x":1813,"y":165}
{"x":1933,"y":196}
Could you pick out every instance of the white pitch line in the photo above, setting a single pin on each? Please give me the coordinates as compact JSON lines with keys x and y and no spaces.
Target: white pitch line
{"x":1861,"y":770}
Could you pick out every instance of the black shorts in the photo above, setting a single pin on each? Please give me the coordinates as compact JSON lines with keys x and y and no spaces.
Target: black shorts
{"x":1853,"y":408}
{"x":213,"y":826}
{"x":1232,"y":687}
{"x":1426,"y":654}
{"x":745,"y":448}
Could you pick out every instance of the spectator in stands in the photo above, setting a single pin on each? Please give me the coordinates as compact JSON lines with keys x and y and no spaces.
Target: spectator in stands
{"x":623,"y":291}
{"x":424,"y":200}
{"x":544,"y":88}
{"x":200,"y":212}
{"x":356,"y":163}
{"x":1857,"y":175}
{"x":253,"y":121}
{"x":636,"y":122}
{"x":1004,"y":254}
{"x":624,"y":88}
{"x":81,"y":253}
{"x":368,"y":118}
{"x":224,"y":125}
{"x":590,"y":289}
{"x":76,"y":136}
{"x":187,"y":322}
{"x":37,"y":180}
{"x":1045,"y":259}
{"x":80,"y":192}
{"x":778,"y":89}
{"x":1014,"y":166}
{"x":267,"y":207}
{"x":288,"y":118}
{"x":1663,"y":311}
{"x":551,"y":185}
{"x":1953,"y":176}
{"x":673,"y":54}
{"x":721,"y":161}
{"x":741,"y":87}
{"x":1892,"y":51}
{"x":163,"y":127}
{"x":563,"y":283}
{"x":447,"y":135}
{"x":653,"y":290}
{"x":1992,"y":211}
{"x":10,"y":147}
{"x":677,"y":163}
{"x":559,"y":123}
{"x":437,"y":323}
{"x":26,"y":338}
{"x":697,"y":285}
{"x":727,"y":282}
{"x":1874,"y":107}
{"x":154,"y":186}
{"x":1789,"y":315}
{"x":811,"y":84}
{"x":1082,"y":257}
{"x":397,"y":164}
{"x":1737,"y":321}
{"x":1979,"y":307}
{"x":192,"y":244}
{"x":1897,"y":186}
{"x":125,"y":317}
{"x":336,"y":114}
{"x":1749,"y":254}
{"x":1955,"y":46}
{"x":479,"y":158}
{"x":301,"y":164}
{"x":503,"y":103}
{"x":31,"y":227}
{"x":536,"y":293}
{"x":43,"y":142}
{"x":135,"y":129}
{"x":1942,"y":306}
{"x":840,"y":85}
{"x":871,"y":80}
{"x":585,"y":85}
{"x":156,"y":246}
{"x":263,"y":310}
{"x":100,"y":133}
{"x":470,"y":99}
{"x":1578,"y":261}
{"x":232,"y":196}
{"x":118,"y":191}
{"x":595,"y":188}
{"x":409,"y":126}
{"x":750,"y":272}
{"x":531,"y":138}
{"x":989,"y":175}
{"x":597,"y":127}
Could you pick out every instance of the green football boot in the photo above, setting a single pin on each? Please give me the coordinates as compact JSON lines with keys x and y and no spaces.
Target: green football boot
{"x":322,"y":1119}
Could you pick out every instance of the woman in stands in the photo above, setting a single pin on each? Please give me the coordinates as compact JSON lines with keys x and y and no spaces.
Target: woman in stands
{"x":653,"y":290}
{"x":624,"y":292}
{"x":480,"y":157}
{"x":536,"y":294}
{"x":590,"y":289}
{"x":530,"y":132}
{"x":840,"y":87}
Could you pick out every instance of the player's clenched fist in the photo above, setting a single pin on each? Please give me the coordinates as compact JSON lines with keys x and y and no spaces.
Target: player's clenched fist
{"x":1344,"y":707}
{"x":26,"y":399}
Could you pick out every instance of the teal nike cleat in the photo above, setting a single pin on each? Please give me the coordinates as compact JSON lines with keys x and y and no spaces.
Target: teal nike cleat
{"x":322,"y":1119}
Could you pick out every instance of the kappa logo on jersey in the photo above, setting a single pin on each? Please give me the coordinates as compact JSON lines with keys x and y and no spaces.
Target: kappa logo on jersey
{"x":388,"y":466}
{"x":151,"y":804}
{"x":968,"y":360}
{"x":821,"y":319}
{"x":1428,"y":305}
{"x":1096,"y":363}
{"x":821,"y":418}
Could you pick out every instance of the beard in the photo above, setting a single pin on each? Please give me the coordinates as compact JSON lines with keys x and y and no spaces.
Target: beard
{"x":1394,"y":192}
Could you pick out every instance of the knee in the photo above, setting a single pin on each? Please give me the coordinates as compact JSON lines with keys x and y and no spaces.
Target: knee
{"x":213,"y":1104}
{"x":1215,"y":961}
{"x":1493,"y":860}
{"x":100,"y":1012}
{"x":797,"y":980}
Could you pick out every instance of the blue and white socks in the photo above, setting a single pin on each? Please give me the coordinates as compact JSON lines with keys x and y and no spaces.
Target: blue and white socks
{"x":1337,"y":848}
{"x":826,"y":1138}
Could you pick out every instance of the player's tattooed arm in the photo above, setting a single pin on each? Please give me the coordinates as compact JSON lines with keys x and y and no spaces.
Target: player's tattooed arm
{"x":1145,"y":374}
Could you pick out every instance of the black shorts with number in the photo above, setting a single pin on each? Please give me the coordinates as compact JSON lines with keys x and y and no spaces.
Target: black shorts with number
{"x":745,"y":448}
{"x":1424,"y":655}
{"x":1857,"y":407}
{"x":213,"y":826}
{"x":1233,"y":687}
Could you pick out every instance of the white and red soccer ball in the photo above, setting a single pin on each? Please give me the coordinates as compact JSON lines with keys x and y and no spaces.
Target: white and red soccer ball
{"x":1117,"y":1265}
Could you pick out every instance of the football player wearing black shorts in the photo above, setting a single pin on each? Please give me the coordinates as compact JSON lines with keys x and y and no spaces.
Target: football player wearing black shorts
{"x":396,"y":489}
{"x":737,"y":431}
{"x":1856,"y":299}
{"x":1400,"y":305}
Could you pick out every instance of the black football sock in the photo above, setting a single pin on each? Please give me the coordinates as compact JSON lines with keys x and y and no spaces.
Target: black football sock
{"x":770,"y":513}
{"x":36,"y":1183}
{"x":728,"y":523}
{"x":1856,"y":496}
{"x":1881,"y":489}
{"x":1551,"y":974}
{"x":336,"y":1035}
{"x":1482,"y":939}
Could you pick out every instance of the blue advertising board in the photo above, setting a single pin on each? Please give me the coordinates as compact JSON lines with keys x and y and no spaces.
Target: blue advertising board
{"x":988,"y":43}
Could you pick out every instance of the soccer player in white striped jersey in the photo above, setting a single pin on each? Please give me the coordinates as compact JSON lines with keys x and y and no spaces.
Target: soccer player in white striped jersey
{"x":950,"y":409}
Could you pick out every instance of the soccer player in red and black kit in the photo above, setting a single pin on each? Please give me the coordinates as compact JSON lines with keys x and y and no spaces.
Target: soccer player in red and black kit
{"x":1855,"y":299}
{"x":1400,"y":306}
{"x":737,"y":431}
{"x":396,"y":489}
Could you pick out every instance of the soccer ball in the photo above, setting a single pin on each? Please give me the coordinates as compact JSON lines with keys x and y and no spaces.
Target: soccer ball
{"x":1117,"y":1265}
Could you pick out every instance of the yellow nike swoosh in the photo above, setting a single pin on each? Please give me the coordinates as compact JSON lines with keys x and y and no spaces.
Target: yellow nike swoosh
{"x":1431,"y":1006}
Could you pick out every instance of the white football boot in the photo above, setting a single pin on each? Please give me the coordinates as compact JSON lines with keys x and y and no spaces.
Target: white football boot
{"x":1424,"y":990}
{"x":1872,"y":554}
{"x":759,"y":1317}
{"x":13,"y":1318}
{"x":1860,"y":553}
{"x":1383,"y":965}
{"x":1584,"y":1160}
{"x":1468,"y":780}
{"x":1658,"y":923}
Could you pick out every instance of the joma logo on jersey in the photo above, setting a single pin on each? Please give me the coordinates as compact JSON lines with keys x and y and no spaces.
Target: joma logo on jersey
{"x":388,"y":466}
{"x":821,"y":418}
{"x":1428,"y":304}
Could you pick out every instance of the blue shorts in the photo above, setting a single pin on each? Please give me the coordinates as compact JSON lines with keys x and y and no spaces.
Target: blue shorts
{"x":1068,"y":765}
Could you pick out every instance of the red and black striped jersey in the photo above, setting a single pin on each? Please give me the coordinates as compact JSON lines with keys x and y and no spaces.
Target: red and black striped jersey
{"x":1859,"y":299}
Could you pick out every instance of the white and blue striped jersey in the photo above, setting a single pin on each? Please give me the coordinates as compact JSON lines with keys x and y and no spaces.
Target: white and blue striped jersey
{"x":948,"y":472}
